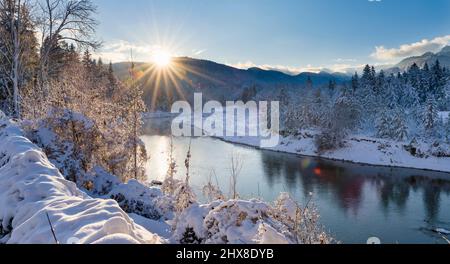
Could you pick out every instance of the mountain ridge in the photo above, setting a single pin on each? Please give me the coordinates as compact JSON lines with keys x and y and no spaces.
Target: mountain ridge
{"x":428,"y":57}
{"x":339,"y":77}
{"x":186,"y":76}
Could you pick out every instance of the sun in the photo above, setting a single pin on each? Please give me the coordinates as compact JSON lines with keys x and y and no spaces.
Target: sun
{"x":162,"y":58}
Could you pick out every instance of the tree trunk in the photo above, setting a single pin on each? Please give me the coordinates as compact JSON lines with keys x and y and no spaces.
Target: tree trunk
{"x":16,"y":29}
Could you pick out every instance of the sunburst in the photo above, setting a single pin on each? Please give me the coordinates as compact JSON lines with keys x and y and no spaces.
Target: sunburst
{"x":161,"y":58}
{"x":166,"y":70}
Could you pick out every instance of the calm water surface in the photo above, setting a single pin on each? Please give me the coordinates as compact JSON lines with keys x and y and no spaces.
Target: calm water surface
{"x":355,"y":201}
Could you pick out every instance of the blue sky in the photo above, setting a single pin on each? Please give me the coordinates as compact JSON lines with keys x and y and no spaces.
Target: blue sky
{"x":290,"y":35}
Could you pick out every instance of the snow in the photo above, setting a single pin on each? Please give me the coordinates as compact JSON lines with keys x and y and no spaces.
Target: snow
{"x":442,"y":231}
{"x":32,"y":188}
{"x":143,"y":200}
{"x":160,"y":228}
{"x":444,"y":116}
{"x":233,"y":221}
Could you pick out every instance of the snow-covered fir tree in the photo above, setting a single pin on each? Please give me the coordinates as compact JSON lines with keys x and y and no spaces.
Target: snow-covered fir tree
{"x":447,"y":129}
{"x":384,"y":125}
{"x":399,"y":127}
{"x":430,"y":116}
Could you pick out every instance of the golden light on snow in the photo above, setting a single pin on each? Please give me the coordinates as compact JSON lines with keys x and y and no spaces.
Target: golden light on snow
{"x":162,"y":58}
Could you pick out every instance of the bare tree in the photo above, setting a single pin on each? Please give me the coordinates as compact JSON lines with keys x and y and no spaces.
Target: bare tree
{"x":212,"y":190}
{"x":137,"y":107}
{"x":12,"y":12}
{"x":235,"y":170}
{"x":16,"y":28}
{"x":65,"y":20}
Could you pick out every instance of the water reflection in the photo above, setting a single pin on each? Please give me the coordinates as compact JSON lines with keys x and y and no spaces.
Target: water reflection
{"x":346,"y":182}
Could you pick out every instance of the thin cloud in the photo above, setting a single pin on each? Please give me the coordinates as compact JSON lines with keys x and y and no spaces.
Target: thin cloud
{"x":120,"y":50}
{"x":407,"y":50}
{"x":268,"y":67}
{"x":338,"y":67}
{"x":198,"y":52}
{"x":341,"y":60}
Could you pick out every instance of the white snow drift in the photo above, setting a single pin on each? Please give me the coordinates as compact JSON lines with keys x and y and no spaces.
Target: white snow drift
{"x":32,"y":188}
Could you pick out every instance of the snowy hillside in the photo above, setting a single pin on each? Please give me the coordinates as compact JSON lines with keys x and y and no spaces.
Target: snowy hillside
{"x":34,"y":194}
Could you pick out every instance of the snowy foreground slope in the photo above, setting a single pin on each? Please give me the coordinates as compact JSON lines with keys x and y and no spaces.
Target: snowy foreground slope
{"x":31,"y":187}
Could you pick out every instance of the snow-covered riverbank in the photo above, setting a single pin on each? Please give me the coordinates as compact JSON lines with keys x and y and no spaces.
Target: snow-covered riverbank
{"x":358,"y":149}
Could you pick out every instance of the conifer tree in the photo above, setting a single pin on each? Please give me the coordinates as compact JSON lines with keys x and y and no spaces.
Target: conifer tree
{"x":400,"y":129}
{"x":447,"y":129}
{"x":309,"y":83}
{"x":384,"y":125}
{"x":430,"y":115}
{"x":331,"y":86}
{"x":112,"y":80}
{"x":355,"y":82}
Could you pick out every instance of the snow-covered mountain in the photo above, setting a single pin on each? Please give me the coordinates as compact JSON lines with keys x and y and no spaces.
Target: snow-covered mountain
{"x":216,"y":81}
{"x":443,"y":56}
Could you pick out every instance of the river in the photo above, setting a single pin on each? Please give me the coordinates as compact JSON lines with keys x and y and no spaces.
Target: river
{"x":355,"y":201}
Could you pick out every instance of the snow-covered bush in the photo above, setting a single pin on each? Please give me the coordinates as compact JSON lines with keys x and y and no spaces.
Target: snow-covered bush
{"x":76,"y":142}
{"x":99,"y":182}
{"x":440,"y":149}
{"x":249,"y":222}
{"x":329,"y":139}
{"x":180,"y":190}
{"x":149,"y":202}
{"x":233,"y":222}
{"x":170,"y":184}
{"x":212,"y":191}
{"x":303,"y":223}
